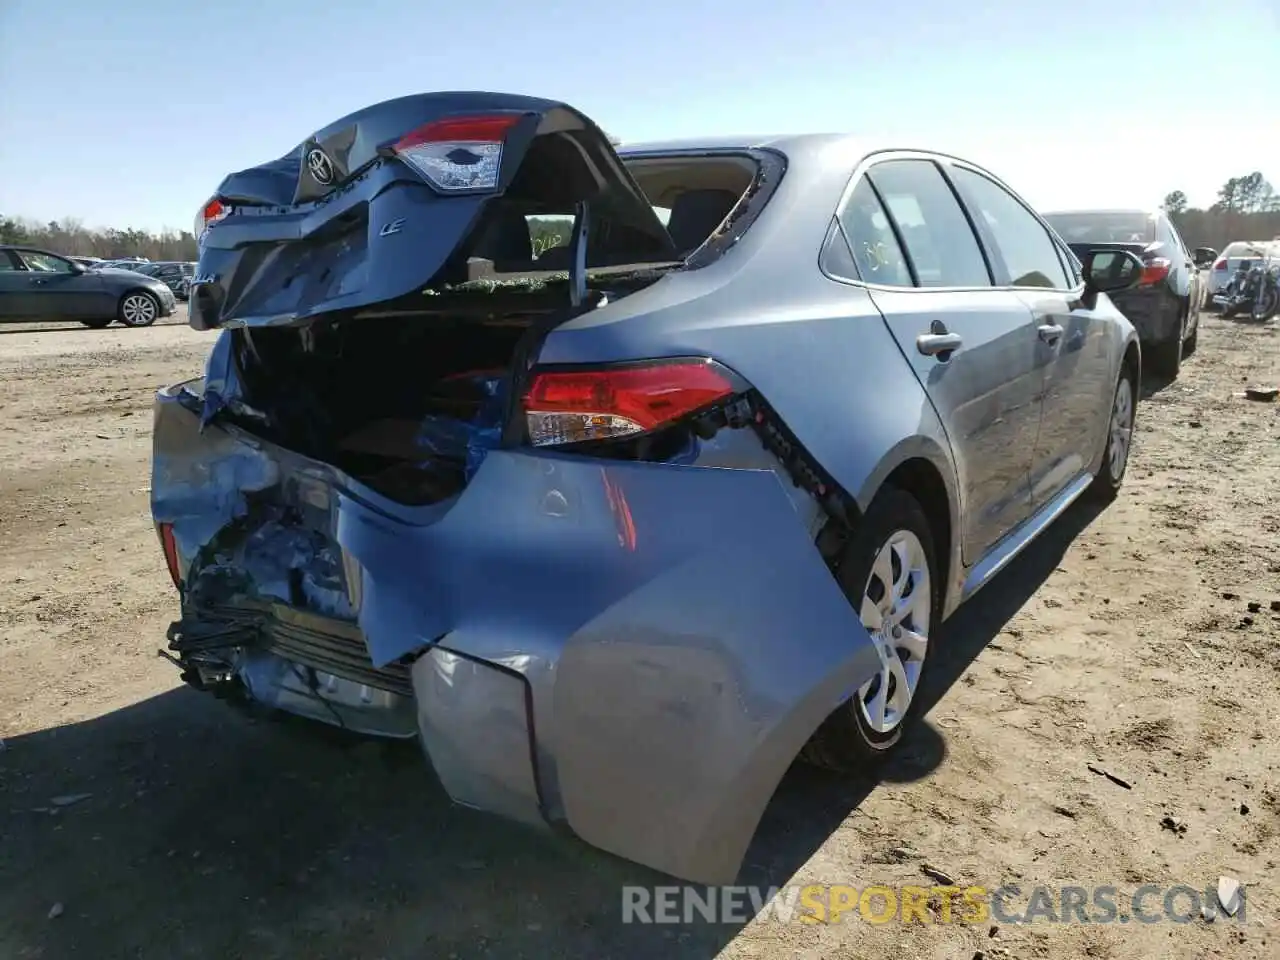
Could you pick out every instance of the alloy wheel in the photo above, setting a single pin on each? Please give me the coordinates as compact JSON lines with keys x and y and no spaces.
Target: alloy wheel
{"x":138,"y":310}
{"x":896,"y":609}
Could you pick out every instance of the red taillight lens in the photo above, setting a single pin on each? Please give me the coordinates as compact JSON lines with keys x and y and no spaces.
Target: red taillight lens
{"x":170,"y":548}
{"x":572,"y":406}
{"x":458,"y":153}
{"x":209,"y":214}
{"x":1153,"y":271}
{"x":1220,"y":265}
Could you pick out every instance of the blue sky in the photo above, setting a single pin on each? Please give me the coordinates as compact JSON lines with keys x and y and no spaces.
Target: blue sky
{"x":129,"y":113}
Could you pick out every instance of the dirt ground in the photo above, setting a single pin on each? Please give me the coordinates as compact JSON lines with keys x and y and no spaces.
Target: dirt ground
{"x":1143,"y":640}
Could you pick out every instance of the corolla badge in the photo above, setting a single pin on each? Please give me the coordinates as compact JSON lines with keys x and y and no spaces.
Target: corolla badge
{"x":321,"y":166}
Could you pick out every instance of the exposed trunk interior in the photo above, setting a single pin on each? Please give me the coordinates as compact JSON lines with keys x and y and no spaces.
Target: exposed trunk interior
{"x":400,"y":402}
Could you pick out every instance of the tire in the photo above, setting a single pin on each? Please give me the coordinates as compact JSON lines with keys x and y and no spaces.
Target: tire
{"x":1118,"y":441}
{"x":1166,"y":358}
{"x":98,"y":324}
{"x":138,"y":309}
{"x":894,"y":526}
{"x":1266,"y":304}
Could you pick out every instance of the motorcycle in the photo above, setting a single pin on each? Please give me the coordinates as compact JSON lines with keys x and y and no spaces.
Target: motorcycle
{"x":1254,"y":287}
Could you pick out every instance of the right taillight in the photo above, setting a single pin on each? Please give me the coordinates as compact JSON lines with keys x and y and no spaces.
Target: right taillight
{"x":213,"y":211}
{"x":1154,"y":270}
{"x":1220,"y":265}
{"x":578,"y":405}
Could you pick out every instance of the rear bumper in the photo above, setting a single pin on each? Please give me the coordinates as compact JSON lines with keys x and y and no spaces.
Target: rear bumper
{"x":637,"y":651}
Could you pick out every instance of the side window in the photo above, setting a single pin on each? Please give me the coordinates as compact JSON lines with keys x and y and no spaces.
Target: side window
{"x":875,"y":249}
{"x":939,"y":240}
{"x":169,"y":272}
{"x":45,"y":262}
{"x":8,"y":262}
{"x":1030,"y":256}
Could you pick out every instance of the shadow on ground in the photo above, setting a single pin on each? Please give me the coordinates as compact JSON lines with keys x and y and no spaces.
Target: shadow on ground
{"x":211,"y":834}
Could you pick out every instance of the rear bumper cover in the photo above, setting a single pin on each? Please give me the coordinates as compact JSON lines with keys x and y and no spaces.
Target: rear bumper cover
{"x":1155,"y":312}
{"x":637,"y":651}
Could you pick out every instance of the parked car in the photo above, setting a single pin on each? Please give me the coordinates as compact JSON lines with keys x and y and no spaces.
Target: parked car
{"x":1166,"y":302}
{"x":173,"y":274}
{"x":123,"y":264}
{"x":39,"y":285}
{"x":619,"y":542}
{"x":1235,"y":256}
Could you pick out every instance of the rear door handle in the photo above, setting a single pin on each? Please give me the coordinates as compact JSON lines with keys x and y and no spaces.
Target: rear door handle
{"x":933,"y":344}
{"x":1050,"y":332}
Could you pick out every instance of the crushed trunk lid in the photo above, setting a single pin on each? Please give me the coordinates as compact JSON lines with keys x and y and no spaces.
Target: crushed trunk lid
{"x":380,"y":204}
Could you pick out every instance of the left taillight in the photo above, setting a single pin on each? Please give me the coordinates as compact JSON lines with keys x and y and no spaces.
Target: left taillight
{"x":1154,"y":270}
{"x":213,"y":211}
{"x":170,"y":548}
{"x":458,"y":154}
{"x":567,"y":406}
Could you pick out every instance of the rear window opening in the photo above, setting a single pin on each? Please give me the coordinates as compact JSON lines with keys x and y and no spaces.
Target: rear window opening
{"x":691,"y":196}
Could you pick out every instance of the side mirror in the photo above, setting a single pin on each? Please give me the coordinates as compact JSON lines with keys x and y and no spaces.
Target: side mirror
{"x":1109,"y":271}
{"x":1205,"y":256}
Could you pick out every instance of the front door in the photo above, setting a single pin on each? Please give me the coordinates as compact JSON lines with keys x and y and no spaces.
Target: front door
{"x":972,"y":347}
{"x":13,"y":285}
{"x":56,"y":288}
{"x":1071,"y":345}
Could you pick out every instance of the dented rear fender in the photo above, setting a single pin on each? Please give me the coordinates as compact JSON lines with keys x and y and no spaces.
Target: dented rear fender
{"x":636,"y":650}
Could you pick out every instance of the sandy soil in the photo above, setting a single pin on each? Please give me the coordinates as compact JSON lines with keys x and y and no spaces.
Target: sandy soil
{"x":1141,"y":640}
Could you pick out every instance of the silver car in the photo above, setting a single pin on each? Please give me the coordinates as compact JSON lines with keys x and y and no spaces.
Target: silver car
{"x":619,"y":532}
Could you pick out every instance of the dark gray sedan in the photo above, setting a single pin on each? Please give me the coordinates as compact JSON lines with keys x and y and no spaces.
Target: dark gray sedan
{"x":39,"y":285}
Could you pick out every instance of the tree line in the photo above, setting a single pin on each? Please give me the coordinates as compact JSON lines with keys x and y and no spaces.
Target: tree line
{"x":72,"y":238}
{"x":1247,"y":208}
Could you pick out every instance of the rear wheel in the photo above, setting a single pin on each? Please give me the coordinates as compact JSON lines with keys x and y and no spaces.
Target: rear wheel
{"x":98,"y":324}
{"x":139,"y":309}
{"x":1115,"y":458}
{"x":890,"y":574}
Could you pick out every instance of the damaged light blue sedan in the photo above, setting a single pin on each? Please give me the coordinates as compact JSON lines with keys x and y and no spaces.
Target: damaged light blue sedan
{"x":619,"y":477}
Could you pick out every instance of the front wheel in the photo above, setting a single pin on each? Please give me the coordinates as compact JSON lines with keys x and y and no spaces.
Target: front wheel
{"x":139,"y":309}
{"x":1115,"y":458}
{"x":889,"y":572}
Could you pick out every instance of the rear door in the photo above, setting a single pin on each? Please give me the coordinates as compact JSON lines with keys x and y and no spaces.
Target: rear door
{"x":972,"y":346}
{"x":1071,"y":340}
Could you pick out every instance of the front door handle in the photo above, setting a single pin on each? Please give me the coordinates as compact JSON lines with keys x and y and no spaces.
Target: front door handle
{"x":38,"y":281}
{"x":935,"y":344}
{"x":1050,"y":332}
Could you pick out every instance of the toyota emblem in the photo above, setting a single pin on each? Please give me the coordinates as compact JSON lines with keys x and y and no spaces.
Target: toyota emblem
{"x":321,"y":166}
